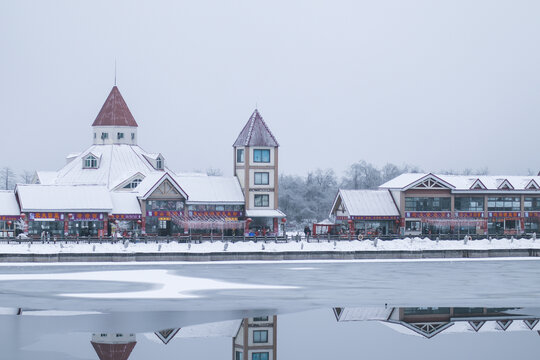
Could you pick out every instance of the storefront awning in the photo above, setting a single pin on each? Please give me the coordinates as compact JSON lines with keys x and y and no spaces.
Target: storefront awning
{"x":270,"y":213}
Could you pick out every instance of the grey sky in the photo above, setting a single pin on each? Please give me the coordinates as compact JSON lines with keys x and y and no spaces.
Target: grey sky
{"x":440,"y":85}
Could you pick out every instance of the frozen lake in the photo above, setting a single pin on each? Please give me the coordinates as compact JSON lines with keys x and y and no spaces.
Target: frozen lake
{"x":62,"y":301}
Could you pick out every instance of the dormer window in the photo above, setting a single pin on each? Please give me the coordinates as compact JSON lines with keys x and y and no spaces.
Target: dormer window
{"x":159,"y":163}
{"x":104,"y":136}
{"x":120,"y":136}
{"x":133,"y":184}
{"x":90,"y":162}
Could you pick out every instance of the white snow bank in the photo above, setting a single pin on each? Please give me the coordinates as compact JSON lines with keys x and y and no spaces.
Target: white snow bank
{"x":166,"y":285}
{"x":407,"y":244}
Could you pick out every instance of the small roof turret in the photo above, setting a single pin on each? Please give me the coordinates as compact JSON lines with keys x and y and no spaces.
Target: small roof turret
{"x":256,"y":133}
{"x":115,"y":111}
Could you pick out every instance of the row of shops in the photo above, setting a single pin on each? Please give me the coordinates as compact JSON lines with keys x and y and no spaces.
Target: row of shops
{"x":427,"y":204}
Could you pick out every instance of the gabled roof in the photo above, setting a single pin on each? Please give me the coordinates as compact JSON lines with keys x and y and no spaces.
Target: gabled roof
{"x":212,"y":189}
{"x":115,"y":111}
{"x":478,"y":185}
{"x":532,"y":185}
{"x":367,"y":202}
{"x":505,"y":185}
{"x":8,"y":203}
{"x":256,"y":133}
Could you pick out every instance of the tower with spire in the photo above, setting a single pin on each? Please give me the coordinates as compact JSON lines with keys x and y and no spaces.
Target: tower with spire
{"x":115,"y":124}
{"x":256,"y":167}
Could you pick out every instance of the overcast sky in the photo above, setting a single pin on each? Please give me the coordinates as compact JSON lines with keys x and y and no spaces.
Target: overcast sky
{"x":440,"y":85}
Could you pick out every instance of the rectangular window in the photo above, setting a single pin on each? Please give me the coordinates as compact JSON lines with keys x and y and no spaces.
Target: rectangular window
{"x":238,"y":355}
{"x":427,"y":204}
{"x":262,"y":200}
{"x":261,"y":155}
{"x":531,"y":204}
{"x":104,"y":136}
{"x":469,"y":204}
{"x":240,"y":155}
{"x":504,"y":204}
{"x":260,"y":336}
{"x":262,"y":178}
{"x":120,"y":136}
{"x":412,"y":225}
{"x":132,"y":136}
{"x":260,"y":318}
{"x":259,"y":356}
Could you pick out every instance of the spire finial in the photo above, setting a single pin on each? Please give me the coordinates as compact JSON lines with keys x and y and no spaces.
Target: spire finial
{"x":114,"y":72}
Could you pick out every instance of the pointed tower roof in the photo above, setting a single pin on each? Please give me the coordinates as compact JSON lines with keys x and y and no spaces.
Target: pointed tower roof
{"x":256,"y":133}
{"x":119,"y":351}
{"x":115,"y":111}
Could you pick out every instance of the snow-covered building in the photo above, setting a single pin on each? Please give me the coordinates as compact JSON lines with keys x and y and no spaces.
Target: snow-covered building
{"x":9,"y":213}
{"x":114,"y":185}
{"x":252,"y":338}
{"x":430,"y":321}
{"x":366,"y":212}
{"x":433,"y":204}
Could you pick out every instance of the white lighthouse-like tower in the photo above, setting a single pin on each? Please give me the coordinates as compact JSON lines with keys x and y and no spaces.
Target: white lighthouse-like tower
{"x":114,"y":124}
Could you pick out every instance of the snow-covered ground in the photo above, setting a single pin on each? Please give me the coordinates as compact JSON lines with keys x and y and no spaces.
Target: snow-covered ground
{"x":407,"y":244}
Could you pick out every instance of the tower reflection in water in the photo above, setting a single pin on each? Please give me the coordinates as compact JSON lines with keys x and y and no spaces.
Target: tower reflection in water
{"x":252,"y":338}
{"x":256,"y":338}
{"x":431,"y":321}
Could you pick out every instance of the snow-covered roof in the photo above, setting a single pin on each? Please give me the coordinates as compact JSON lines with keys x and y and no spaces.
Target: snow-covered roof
{"x":125,"y":203}
{"x":211,"y":189}
{"x":64,"y":198}
{"x":362,"y":313}
{"x":46,"y":177}
{"x":118,"y":162}
{"x":466,"y":182}
{"x":8,"y":203}
{"x":216,"y":329}
{"x":265,"y":213}
{"x":368,"y":202}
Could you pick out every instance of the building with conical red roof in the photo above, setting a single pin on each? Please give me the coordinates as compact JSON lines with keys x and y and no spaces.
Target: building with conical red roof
{"x":256,"y":167}
{"x":114,"y":123}
{"x":114,"y":186}
{"x":115,"y":346}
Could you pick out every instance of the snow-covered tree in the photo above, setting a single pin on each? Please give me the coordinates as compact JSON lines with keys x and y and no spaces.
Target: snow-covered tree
{"x":7,"y":178}
{"x":26,"y":176}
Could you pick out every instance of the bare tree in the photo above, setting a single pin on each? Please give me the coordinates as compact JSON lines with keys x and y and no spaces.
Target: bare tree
{"x":214,"y":172}
{"x":7,"y":178}
{"x":27,"y":176}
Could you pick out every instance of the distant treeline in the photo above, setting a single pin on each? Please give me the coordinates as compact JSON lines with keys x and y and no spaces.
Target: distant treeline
{"x":308,"y":198}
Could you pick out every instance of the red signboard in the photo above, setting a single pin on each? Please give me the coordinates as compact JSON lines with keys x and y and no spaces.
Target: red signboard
{"x":434,"y":215}
{"x":505,"y":214}
{"x":375,"y":217}
{"x":125,"y":216}
{"x":469,"y":214}
{"x":532,"y":214}
{"x":86,"y":217}
{"x":9,"y":218}
{"x":46,"y":215}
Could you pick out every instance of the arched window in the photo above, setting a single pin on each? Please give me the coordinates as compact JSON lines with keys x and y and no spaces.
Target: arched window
{"x":90,"y":162}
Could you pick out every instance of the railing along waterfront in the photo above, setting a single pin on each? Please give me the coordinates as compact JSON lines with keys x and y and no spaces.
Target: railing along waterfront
{"x":193,"y":238}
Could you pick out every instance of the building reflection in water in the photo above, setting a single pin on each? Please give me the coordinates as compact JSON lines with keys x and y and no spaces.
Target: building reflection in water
{"x":113,"y":346}
{"x":252,"y":338}
{"x":431,"y":321}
